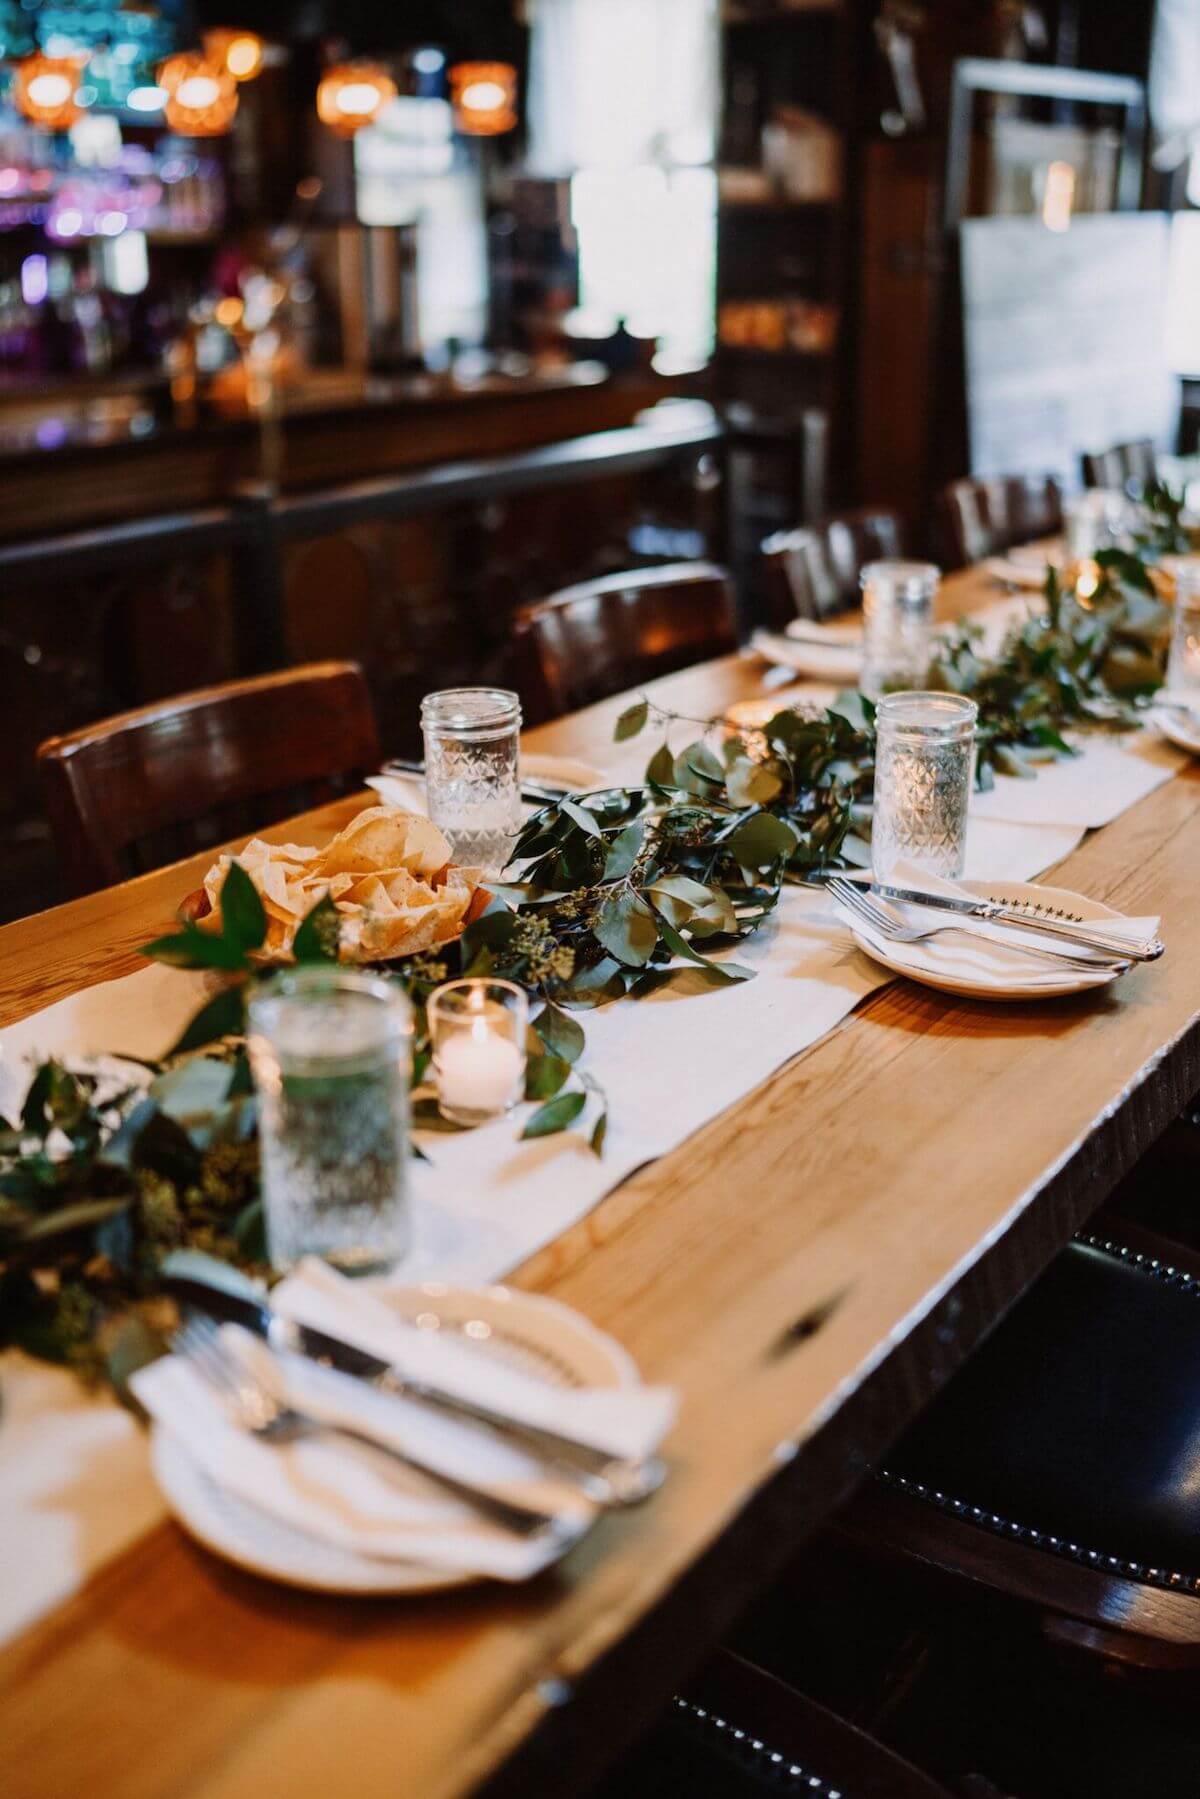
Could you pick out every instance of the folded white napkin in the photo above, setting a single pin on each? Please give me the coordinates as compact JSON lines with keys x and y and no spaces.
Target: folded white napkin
{"x":360,"y":1499}
{"x":364,"y":1500}
{"x":628,"y":1422}
{"x":846,"y":632}
{"x":983,"y":953}
{"x":408,"y":791}
{"x":1017,"y":572}
{"x":823,"y":660}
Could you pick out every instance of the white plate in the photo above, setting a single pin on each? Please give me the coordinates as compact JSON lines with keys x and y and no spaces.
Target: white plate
{"x":925,"y":957}
{"x":536,"y":1335}
{"x":1181,"y":731}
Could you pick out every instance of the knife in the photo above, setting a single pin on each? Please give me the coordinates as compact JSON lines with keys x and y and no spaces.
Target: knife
{"x":537,"y":793}
{"x":1030,"y":920}
{"x":605,"y":1479}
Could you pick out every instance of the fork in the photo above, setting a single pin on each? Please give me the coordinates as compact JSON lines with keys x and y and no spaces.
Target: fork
{"x":263,"y":1413}
{"x":865,"y":907}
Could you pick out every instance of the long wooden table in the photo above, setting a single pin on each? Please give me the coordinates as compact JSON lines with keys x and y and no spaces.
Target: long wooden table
{"x":923,"y":1161}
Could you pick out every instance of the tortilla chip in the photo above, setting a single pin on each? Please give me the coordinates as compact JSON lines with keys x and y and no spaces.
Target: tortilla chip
{"x":382,"y":837}
{"x":388,"y":873}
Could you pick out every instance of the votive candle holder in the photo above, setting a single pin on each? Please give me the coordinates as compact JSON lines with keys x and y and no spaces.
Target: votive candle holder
{"x":477,"y":1031}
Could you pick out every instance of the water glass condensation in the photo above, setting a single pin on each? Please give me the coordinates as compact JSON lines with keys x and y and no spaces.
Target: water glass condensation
{"x":472,"y":772}
{"x":1183,"y":668}
{"x":924,"y":749}
{"x":897,"y":624}
{"x":331,"y":1052}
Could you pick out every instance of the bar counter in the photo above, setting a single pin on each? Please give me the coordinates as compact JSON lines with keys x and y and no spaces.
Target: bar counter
{"x":83,"y":454}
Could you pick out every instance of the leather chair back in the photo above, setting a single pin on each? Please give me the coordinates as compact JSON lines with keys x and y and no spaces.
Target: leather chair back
{"x":1120,"y":465}
{"x":978,"y":518}
{"x":149,"y":787}
{"x":589,"y":642}
{"x":813,"y":573}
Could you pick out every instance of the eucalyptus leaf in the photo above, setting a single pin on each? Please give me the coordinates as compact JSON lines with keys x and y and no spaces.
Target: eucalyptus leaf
{"x":557,"y":1115}
{"x":559,"y":1032}
{"x":660,"y":770}
{"x":191,"y":947}
{"x":545,"y":1076}
{"x":580,"y":816}
{"x":751,"y":783}
{"x":222,"y":1016}
{"x":624,"y":851}
{"x":243,"y":917}
{"x":721,"y":971}
{"x":762,"y":840}
{"x":632,"y":720}
{"x":319,"y":934}
{"x":628,"y":930}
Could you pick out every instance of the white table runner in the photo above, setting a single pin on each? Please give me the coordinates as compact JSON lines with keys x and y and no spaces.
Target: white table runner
{"x":669,"y":1063}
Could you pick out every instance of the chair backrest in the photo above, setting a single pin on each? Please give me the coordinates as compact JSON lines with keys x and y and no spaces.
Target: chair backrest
{"x":813,"y":572}
{"x":1121,"y":464}
{"x":589,"y":642}
{"x":147,"y":787}
{"x":978,"y":518}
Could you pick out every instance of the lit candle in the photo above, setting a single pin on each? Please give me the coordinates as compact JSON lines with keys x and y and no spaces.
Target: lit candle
{"x":478,"y":1029}
{"x":478,"y":1071}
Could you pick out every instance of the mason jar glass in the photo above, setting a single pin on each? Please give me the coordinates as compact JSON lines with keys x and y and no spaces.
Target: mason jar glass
{"x":1096,"y":519}
{"x":1183,"y":668}
{"x":472,"y":772}
{"x":897,"y":624}
{"x":924,"y":748}
{"x":331,"y":1053}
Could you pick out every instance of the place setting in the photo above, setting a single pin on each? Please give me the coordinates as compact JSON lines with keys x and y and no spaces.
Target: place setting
{"x":916,"y":915}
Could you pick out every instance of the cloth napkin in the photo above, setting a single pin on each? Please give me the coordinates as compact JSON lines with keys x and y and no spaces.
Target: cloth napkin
{"x":408,"y":791}
{"x":821,"y":658}
{"x":1017,"y":572}
{"x":844,"y":631}
{"x":985,"y":953}
{"x":349,"y":1494}
{"x":361,"y":1499}
{"x":627,"y":1422}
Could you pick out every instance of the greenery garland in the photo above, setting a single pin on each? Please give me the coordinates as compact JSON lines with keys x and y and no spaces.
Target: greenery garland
{"x":103,"y":1186}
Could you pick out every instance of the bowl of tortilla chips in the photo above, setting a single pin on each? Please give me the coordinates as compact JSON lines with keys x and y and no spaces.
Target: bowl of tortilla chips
{"x":389,"y":874}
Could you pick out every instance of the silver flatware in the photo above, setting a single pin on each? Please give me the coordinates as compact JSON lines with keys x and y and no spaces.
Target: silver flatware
{"x":264,"y":1413}
{"x":885,"y":925}
{"x":1052,"y":921}
{"x":536,"y":792}
{"x":604,"y":1479}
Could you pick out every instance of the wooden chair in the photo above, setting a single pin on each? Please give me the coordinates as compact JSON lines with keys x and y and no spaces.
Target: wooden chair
{"x":737,"y":1732}
{"x":1122,"y":466}
{"x":1056,"y":1470}
{"x":978,"y":518}
{"x":813,"y":573}
{"x":591,"y":641}
{"x":148,"y":787}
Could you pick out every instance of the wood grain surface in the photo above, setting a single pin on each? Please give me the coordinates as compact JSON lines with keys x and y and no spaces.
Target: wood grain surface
{"x":922,"y":1162}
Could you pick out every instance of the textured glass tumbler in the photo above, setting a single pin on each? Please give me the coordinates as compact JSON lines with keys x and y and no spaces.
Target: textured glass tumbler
{"x":1183,"y":669}
{"x":897,"y":624}
{"x":1096,"y":519}
{"x":331,"y":1051}
{"x":472,"y":772}
{"x":923,"y":754}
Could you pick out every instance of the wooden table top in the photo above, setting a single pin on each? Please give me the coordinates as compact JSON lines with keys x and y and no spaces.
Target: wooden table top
{"x":924,"y":1161}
